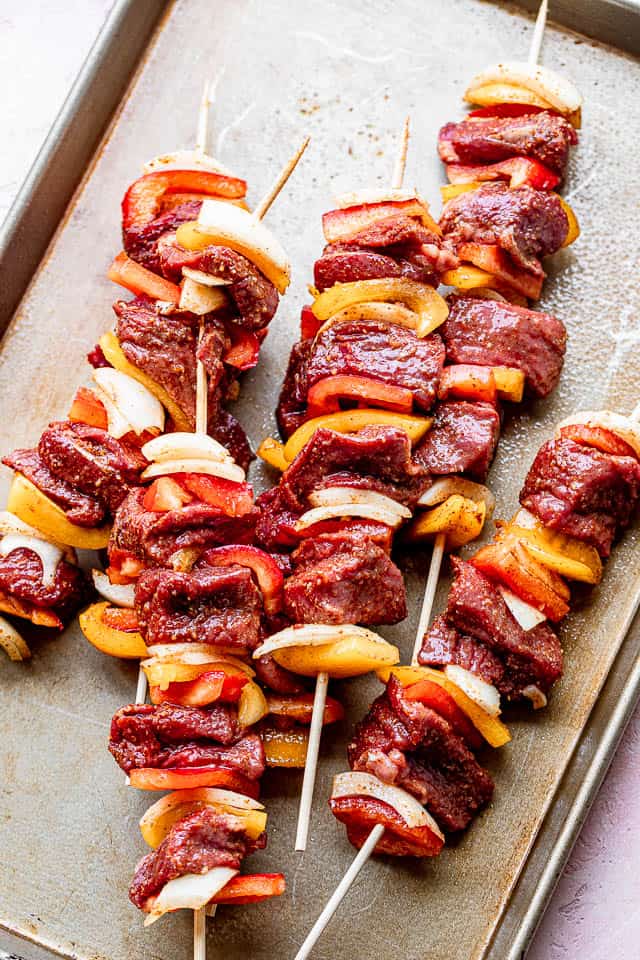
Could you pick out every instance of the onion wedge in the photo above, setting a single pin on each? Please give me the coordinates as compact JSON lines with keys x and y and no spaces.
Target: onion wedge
{"x":185,"y":446}
{"x":477,"y":689}
{"x":447,"y":487}
{"x":354,"y":784}
{"x":12,"y":643}
{"x":122,"y":594}
{"x":189,"y":892}
{"x":200,"y":298}
{"x":135,"y":406}
{"x":162,"y":815}
{"x":185,"y":160}
{"x":213,"y":468}
{"x":313,"y":635}
{"x":526,"y":615}
{"x":352,"y":502}
{"x":555,"y":90}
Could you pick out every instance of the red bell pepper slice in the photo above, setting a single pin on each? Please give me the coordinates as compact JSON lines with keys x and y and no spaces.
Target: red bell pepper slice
{"x":143,"y":200}
{"x":207,"y":688}
{"x":343,"y":224}
{"x":361,"y":814}
{"x":437,"y":698}
{"x":244,"y":350}
{"x":300,"y":708}
{"x":508,"y":110}
{"x":136,"y":278}
{"x":86,"y":408}
{"x":466,"y":381}
{"x":519,"y":171}
{"x":264,"y":567}
{"x":165,"y":494}
{"x":605,"y":440}
{"x":185,"y":778}
{"x":509,"y":563}
{"x":234,"y":499}
{"x":494,"y":260}
{"x":325,"y":395}
{"x":120,"y":618}
{"x":380,"y":533}
{"x":251,"y":888}
{"x":309,"y":323}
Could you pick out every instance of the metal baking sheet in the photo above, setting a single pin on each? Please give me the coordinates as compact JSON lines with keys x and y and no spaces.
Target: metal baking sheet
{"x":347,"y":74}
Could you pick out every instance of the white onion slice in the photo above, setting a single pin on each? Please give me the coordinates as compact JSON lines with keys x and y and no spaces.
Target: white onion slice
{"x":355,"y":784}
{"x":208,"y":796}
{"x":122,"y":594}
{"x":447,"y":487}
{"x":130,"y":405}
{"x":185,"y":160}
{"x":12,"y":643}
{"x":328,"y":496}
{"x":352,"y":502}
{"x":227,"y":221}
{"x":10,"y":523}
{"x":50,"y":554}
{"x":551,"y":86}
{"x":213,"y":468}
{"x":363,"y":510}
{"x":477,"y":689}
{"x":535,"y":695}
{"x":189,"y":892}
{"x":624,"y":427}
{"x":377,"y":195}
{"x":199,"y":298}
{"x":185,"y":446}
{"x":526,"y":615}
{"x":204,"y":279}
{"x":314,"y":635}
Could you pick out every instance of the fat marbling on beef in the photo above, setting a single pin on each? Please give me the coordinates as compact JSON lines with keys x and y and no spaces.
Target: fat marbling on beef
{"x":527,"y":224}
{"x":497,"y":333}
{"x":542,"y":136}
{"x":582,"y":492}
{"x":478,"y":632}
{"x":409,"y":745}
{"x":462,"y":439}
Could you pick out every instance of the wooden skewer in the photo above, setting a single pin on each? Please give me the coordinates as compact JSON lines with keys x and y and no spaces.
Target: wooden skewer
{"x":538,"y":33}
{"x":322,"y":680}
{"x":287,"y":170}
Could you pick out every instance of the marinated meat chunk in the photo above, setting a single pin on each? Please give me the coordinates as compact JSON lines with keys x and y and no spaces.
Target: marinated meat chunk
{"x":478,"y":632}
{"x":277,"y":678}
{"x":495,"y":333}
{"x":527,"y":224}
{"x":196,"y":844}
{"x":230,"y":433}
{"x":340,"y":578}
{"x":141,"y":242}
{"x":462,"y":439}
{"x":292,"y":402}
{"x":385,"y":352}
{"x":80,"y":508}
{"x":168,"y":736}
{"x":542,"y":136}
{"x":21,"y":577}
{"x":220,"y":606}
{"x":377,"y":458}
{"x":153,"y":537}
{"x":92,"y":461}
{"x":407,"y":744}
{"x":255,"y":297}
{"x":582,"y":492}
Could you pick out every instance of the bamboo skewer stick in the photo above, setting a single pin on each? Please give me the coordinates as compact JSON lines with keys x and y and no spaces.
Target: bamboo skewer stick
{"x":538,"y":33}
{"x":322,"y":680}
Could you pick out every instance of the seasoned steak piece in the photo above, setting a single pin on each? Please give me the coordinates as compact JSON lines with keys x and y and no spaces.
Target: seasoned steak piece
{"x":92,"y":461}
{"x":196,"y":844}
{"x":220,"y":606}
{"x":377,"y":458}
{"x":462,"y":439}
{"x":230,"y":433}
{"x":141,"y":243}
{"x":582,"y":492}
{"x":479,"y":632}
{"x":407,"y":744}
{"x":527,"y":224}
{"x":493,"y":333}
{"x":21,"y":577}
{"x":80,"y":508}
{"x":276,"y":678}
{"x":255,"y":297}
{"x":542,"y":136}
{"x":154,"y":537}
{"x":167,"y":736}
{"x":292,"y":402}
{"x":342,"y":578}
{"x":383,"y":351}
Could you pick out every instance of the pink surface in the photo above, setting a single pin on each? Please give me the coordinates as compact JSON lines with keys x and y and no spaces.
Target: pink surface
{"x":594,"y":913}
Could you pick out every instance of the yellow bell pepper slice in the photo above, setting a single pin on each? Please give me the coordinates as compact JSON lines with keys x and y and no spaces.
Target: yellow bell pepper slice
{"x":467,"y":277}
{"x":574,"y":226}
{"x":113,"y":352}
{"x":192,"y":236}
{"x":161,"y":817}
{"x":350,"y":421}
{"x":430,"y":308}
{"x":35,"y":508}
{"x":285,"y":748}
{"x":495,"y":732}
{"x":163,"y":671}
{"x":459,"y":518}
{"x":117,"y":643}
{"x":272,"y":452}
{"x":349,"y":657}
{"x":570,"y":558}
{"x":451,"y":190}
{"x":510,"y":383}
{"x":252,"y":705}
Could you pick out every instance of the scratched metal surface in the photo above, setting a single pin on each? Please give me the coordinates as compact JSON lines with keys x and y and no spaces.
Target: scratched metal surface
{"x":347,"y":74}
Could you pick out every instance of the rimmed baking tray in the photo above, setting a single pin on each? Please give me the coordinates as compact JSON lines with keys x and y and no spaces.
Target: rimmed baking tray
{"x":347,"y":74}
